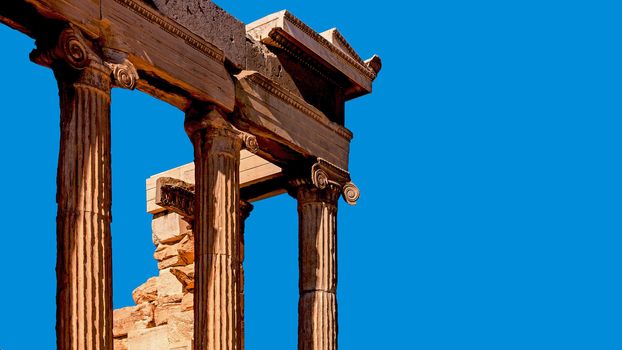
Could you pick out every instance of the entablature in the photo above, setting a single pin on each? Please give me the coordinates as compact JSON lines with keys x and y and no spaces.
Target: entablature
{"x":267,"y":110}
{"x":180,"y":61}
{"x":328,"y":50}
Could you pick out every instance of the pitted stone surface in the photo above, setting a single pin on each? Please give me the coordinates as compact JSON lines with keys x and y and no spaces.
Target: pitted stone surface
{"x":260,"y":59}
{"x":210,"y":22}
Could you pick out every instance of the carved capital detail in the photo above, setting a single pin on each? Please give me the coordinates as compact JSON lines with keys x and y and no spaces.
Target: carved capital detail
{"x":205,"y":119}
{"x":250,"y":142}
{"x":307,"y":193}
{"x":124,"y":74}
{"x":319,"y":177}
{"x":215,"y":122}
{"x":177,"y":196}
{"x":350,"y":193}
{"x":71,"y":48}
{"x":326,"y":176}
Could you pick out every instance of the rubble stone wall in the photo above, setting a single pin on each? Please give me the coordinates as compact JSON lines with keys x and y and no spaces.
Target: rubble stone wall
{"x":163,"y":315}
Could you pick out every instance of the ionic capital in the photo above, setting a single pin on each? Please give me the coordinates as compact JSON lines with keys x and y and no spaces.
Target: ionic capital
{"x":69,"y":47}
{"x":213,"y":122}
{"x":325,"y":176}
{"x":71,"y":51}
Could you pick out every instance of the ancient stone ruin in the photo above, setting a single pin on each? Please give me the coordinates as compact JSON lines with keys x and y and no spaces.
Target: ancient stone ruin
{"x":163,"y":315}
{"x":265,"y":111}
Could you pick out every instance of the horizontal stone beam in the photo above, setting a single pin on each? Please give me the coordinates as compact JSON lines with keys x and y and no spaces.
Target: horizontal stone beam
{"x":181,"y":67}
{"x":178,"y":196}
{"x":266,"y":109}
{"x":283,"y":30}
{"x":190,"y":67}
{"x":258,"y":179}
{"x":174,"y":64}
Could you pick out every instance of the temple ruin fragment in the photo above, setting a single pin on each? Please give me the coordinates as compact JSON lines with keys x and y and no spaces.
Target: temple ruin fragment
{"x":264,"y":110}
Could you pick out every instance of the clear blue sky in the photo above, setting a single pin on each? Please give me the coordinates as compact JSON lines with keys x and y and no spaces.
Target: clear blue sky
{"x":488,"y":158}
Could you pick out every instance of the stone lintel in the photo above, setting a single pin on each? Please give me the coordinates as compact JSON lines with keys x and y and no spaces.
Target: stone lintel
{"x":178,"y":196}
{"x":329,"y":49}
{"x":258,"y":180}
{"x":179,"y":66}
{"x":212,"y":23}
{"x":269,"y":111}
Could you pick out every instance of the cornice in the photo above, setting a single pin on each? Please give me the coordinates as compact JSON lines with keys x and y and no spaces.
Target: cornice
{"x":358,"y":64}
{"x":345,"y":43}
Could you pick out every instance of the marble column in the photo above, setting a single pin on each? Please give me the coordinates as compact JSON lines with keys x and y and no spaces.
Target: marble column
{"x":245,"y":212}
{"x":317,"y":306}
{"x":217,"y":305}
{"x":84,"y":267}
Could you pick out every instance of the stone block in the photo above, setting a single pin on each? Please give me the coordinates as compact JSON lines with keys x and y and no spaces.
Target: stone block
{"x":180,"y":327}
{"x":148,"y":339}
{"x":171,"y":262}
{"x":165,"y":251}
{"x":164,"y":311}
{"x":187,"y":345}
{"x":169,"y":285}
{"x":119,"y":344}
{"x":209,"y":21}
{"x":168,"y":228}
{"x":170,"y":299}
{"x":131,"y":318}
{"x":186,"y":248}
{"x":146,"y":292}
{"x":260,"y":59}
{"x":185,"y":275}
{"x":187,"y":302}
{"x":177,"y":254}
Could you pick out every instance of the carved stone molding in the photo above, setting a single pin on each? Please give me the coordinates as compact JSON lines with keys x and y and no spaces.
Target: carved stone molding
{"x":177,"y":196}
{"x":326,"y":176}
{"x":345,"y":57}
{"x":298,"y":103}
{"x":326,"y":54}
{"x":174,"y":29}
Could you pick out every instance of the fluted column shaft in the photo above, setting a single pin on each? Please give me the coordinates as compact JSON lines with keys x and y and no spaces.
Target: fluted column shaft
{"x":317,"y":306}
{"x":84,"y":188}
{"x":217,"y":230}
{"x":245,"y":211}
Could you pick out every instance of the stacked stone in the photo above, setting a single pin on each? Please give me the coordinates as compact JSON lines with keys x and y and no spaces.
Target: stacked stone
{"x":163,"y":315}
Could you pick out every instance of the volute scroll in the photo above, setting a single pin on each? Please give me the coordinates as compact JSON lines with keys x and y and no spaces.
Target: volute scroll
{"x":124,"y":74}
{"x":327,"y":176}
{"x":70,"y":47}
